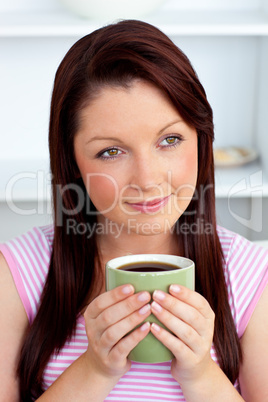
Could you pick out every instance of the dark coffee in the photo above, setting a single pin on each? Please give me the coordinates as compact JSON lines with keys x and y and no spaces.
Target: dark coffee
{"x":148,"y":267}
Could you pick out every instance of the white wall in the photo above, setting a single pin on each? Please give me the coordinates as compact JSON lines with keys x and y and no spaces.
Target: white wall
{"x":25,"y":5}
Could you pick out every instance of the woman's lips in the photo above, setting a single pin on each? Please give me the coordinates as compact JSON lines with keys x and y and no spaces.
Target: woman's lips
{"x":150,"y":206}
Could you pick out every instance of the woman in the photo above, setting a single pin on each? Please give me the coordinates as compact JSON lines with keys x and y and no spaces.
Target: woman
{"x":131,"y":135}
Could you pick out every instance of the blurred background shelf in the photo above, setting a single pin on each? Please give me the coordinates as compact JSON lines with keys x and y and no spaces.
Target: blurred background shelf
{"x":248,"y":180}
{"x":25,"y":180}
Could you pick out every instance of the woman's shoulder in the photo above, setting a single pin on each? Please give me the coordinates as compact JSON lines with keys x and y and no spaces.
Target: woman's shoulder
{"x":242,"y":257}
{"x":28,"y":258}
{"x":246,"y":274}
{"x":30,"y":251}
{"x":237,"y":248}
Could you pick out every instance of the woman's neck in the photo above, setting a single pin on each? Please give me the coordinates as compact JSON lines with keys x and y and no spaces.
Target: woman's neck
{"x":112,"y":245}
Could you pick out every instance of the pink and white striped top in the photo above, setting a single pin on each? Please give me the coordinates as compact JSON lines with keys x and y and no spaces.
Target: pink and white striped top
{"x":246,"y":277}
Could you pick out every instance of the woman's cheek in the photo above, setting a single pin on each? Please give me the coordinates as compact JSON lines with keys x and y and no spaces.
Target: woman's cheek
{"x":186,"y":185}
{"x":102,"y":190}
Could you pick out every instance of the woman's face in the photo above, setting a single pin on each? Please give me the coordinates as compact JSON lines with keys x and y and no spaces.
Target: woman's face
{"x":137,"y":158}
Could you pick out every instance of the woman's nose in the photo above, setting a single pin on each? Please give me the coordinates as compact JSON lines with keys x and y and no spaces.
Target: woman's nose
{"x":147,"y":173}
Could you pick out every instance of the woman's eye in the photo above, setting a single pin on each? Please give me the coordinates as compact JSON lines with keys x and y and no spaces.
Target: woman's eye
{"x":171,"y":141}
{"x":109,"y":153}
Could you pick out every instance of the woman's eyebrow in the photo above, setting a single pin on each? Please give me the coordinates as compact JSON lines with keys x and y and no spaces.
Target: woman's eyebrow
{"x":102,"y":138}
{"x":170,"y":124}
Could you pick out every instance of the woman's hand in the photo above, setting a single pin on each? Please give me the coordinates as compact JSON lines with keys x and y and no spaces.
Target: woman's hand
{"x":108,"y":319}
{"x":191,"y":320}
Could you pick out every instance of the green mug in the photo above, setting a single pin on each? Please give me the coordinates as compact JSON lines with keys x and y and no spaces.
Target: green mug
{"x":150,"y":272}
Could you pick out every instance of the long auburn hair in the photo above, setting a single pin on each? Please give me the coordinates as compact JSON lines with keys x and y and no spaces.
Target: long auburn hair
{"x":115,"y":56}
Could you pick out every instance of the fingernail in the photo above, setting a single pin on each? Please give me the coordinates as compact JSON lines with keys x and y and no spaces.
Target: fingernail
{"x":127,"y":289}
{"x":145,"y":309}
{"x":175,"y":288}
{"x":145,"y":326}
{"x":155,"y":327}
{"x":158,"y":294}
{"x":143,"y":296}
{"x":156,"y":307}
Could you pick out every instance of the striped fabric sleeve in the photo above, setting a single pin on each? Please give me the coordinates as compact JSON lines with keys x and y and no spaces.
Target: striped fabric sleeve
{"x":247,"y":267}
{"x":28,"y":258}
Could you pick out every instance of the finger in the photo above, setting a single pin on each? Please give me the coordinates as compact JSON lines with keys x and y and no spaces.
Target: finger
{"x":186,"y":333}
{"x":107,"y":299}
{"x":175,"y":345}
{"x":122,"y":309}
{"x":192,"y":298}
{"x":126,"y":344}
{"x":116,"y":332}
{"x":181,"y":310}
{"x":200,"y":305}
{"x":186,"y":312}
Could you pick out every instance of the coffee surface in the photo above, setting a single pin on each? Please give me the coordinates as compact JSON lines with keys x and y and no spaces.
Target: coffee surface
{"x":148,"y":267}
